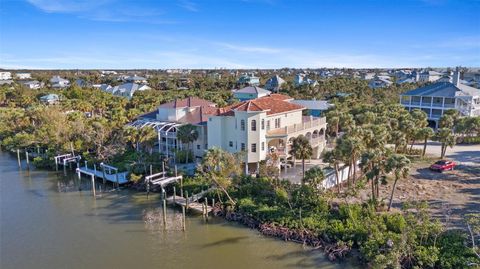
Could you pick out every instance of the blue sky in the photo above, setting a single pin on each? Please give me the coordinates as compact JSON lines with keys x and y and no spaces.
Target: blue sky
{"x":111,"y":34}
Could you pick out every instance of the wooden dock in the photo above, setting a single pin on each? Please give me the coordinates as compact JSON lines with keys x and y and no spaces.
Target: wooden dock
{"x":120,"y":178}
{"x":192,"y":201}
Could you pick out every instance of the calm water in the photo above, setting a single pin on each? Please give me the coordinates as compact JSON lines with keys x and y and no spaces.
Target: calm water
{"x":46,"y":223}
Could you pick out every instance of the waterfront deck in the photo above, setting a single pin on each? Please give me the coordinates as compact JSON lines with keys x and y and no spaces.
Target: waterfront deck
{"x":120,"y":177}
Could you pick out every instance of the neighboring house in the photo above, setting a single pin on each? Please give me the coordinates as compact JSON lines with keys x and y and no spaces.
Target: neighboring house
{"x":250,"y":92}
{"x":301,"y":79}
{"x":58,"y":82}
{"x":34,"y":84}
{"x":262,"y":126}
{"x":248,"y":79}
{"x":23,"y":76}
{"x":136,"y":79}
{"x":429,"y":76}
{"x":438,"y":97}
{"x":274,"y":83}
{"x":127,"y":89}
{"x":50,"y":99}
{"x":379,"y":82}
{"x":170,"y":116}
{"x":104,"y":87}
{"x":368,"y":75}
{"x":107,"y":72}
{"x":81,"y":83}
{"x":313,"y":107}
{"x":5,"y":76}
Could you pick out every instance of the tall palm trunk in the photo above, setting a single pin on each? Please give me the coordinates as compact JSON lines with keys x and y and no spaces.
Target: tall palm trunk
{"x":391,"y":195}
{"x":424,"y":147}
{"x":303,"y":171}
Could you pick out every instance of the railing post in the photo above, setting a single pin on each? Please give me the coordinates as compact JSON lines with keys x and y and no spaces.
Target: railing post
{"x":18,"y":158}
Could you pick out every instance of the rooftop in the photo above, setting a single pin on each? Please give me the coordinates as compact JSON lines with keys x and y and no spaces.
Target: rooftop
{"x":270,"y":104}
{"x":444,"y":89}
{"x":188,"y":102}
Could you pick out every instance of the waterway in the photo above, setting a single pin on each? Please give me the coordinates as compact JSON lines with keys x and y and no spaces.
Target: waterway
{"x":45,"y":222}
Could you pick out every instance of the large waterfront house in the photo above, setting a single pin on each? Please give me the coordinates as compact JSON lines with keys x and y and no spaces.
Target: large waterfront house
{"x":274,"y":83}
{"x":250,"y":92}
{"x":438,"y":97}
{"x":127,"y":89}
{"x":58,"y":82}
{"x":262,"y":126}
{"x":256,"y":127}
{"x":170,"y":116}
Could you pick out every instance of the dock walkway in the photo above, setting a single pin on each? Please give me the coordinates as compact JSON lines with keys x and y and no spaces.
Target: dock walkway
{"x":120,"y":178}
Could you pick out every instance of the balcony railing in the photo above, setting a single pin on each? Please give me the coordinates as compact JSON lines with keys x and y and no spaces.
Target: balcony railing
{"x":307,"y":123}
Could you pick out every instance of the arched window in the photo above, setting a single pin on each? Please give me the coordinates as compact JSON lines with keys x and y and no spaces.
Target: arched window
{"x":242,"y":125}
{"x":254,"y":125}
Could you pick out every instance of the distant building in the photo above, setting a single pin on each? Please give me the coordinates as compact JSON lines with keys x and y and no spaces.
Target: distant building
{"x":136,"y":79}
{"x":58,"y":82}
{"x":248,"y":79}
{"x":429,"y":76}
{"x":5,"y":75}
{"x":438,"y":97}
{"x":103,"y":87}
{"x":274,"y":83}
{"x":127,"y":89}
{"x":301,"y":79}
{"x":379,"y":82}
{"x":23,"y":76}
{"x":50,"y":99}
{"x":34,"y":84}
{"x":250,"y":92}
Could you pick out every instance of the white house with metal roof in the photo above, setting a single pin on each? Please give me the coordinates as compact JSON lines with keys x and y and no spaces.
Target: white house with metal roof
{"x":438,"y":97}
{"x":127,"y":89}
{"x":250,"y":92}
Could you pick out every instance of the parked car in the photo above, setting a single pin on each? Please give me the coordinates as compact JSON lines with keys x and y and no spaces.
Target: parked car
{"x":443,"y":165}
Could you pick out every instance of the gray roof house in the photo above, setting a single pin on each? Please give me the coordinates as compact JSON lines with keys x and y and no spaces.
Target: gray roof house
{"x":314,"y":107}
{"x":127,"y":89}
{"x":58,"y":82}
{"x":250,"y":92}
{"x":50,"y":99}
{"x":33,"y":84}
{"x":438,"y":97}
{"x":274,"y":83}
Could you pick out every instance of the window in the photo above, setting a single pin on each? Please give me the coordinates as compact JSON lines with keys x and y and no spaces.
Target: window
{"x":198,"y":146}
{"x":242,"y":147}
{"x":242,"y":125}
{"x":254,"y":125}
{"x":277,"y":123}
{"x":268,"y":125}
{"x":263,"y":124}
{"x":230,"y":144}
{"x":254,"y":147}
{"x":263,"y":146}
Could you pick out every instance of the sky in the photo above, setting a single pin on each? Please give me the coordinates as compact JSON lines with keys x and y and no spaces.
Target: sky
{"x":124,"y":34}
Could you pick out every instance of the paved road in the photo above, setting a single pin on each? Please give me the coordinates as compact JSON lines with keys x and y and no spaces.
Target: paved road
{"x":468,"y":155}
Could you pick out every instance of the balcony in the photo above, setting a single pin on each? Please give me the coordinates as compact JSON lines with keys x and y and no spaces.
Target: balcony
{"x":307,"y":123}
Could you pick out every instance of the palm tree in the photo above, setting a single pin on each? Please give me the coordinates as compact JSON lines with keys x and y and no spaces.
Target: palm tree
{"x":334,"y":158}
{"x":398,"y":164}
{"x":131,"y":135}
{"x":315,"y":176}
{"x":220,"y":166}
{"x":425,"y":133}
{"x":445,"y":136}
{"x":147,"y":137}
{"x":187,"y":134}
{"x":301,"y":149}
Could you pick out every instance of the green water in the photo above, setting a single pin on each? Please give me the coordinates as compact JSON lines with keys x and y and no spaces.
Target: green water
{"x":47,"y":223}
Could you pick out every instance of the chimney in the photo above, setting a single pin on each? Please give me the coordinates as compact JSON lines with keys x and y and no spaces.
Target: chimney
{"x":456,"y":77}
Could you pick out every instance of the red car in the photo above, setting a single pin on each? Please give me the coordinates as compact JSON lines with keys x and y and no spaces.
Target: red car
{"x":443,"y":165}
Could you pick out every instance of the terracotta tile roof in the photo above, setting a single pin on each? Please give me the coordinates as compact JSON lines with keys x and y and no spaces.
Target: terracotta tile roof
{"x":270,"y":104}
{"x":188,"y":102}
{"x":279,"y":96}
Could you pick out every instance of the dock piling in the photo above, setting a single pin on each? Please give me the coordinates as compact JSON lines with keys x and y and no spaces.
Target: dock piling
{"x":28,"y":161}
{"x":164,"y":213}
{"x":174,"y":194}
{"x":183,"y":218}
